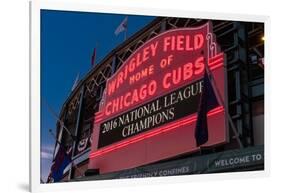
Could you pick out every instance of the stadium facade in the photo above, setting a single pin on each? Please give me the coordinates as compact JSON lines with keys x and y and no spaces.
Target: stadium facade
{"x":243,"y":45}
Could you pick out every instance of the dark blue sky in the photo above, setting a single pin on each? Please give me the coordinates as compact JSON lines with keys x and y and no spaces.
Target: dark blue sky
{"x":67,"y":42}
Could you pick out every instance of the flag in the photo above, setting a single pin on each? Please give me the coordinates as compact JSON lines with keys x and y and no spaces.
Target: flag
{"x":208,"y":101}
{"x":122,"y":27}
{"x":75,"y":82}
{"x":93,"y":57}
{"x":61,"y":161}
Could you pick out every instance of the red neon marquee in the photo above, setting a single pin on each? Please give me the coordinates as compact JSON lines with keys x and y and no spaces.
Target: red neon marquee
{"x":149,"y":107}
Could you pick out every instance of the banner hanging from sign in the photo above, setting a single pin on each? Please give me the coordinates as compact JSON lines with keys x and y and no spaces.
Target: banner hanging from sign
{"x":149,"y":107}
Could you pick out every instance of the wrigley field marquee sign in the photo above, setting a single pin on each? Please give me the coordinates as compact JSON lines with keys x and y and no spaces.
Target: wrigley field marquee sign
{"x":149,"y":107}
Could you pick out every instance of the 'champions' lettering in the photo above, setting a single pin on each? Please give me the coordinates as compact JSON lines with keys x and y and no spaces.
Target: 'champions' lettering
{"x":153,"y":114}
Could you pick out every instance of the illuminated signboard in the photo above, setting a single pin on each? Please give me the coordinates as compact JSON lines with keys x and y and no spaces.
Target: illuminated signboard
{"x":149,"y":107}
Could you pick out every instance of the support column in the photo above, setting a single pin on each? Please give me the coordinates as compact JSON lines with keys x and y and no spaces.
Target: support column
{"x":71,"y":173}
